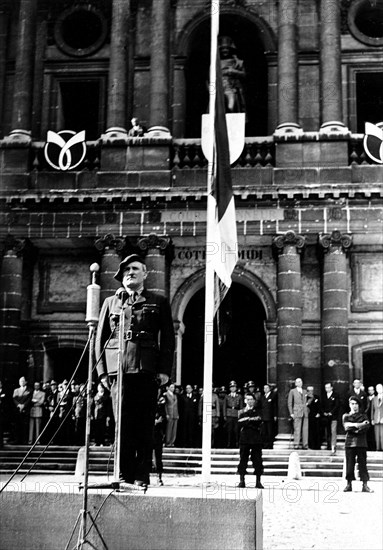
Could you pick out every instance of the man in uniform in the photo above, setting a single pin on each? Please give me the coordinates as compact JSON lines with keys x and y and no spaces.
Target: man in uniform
{"x":147,"y":355}
{"x":234,"y":403}
{"x":250,"y":441}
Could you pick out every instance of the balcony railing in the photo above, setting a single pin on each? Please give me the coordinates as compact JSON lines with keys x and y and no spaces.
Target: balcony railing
{"x":259,"y":151}
{"x":187,"y":154}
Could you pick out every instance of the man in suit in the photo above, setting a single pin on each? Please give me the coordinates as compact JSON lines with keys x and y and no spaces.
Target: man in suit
{"x":358,"y":391}
{"x":297,"y":405}
{"x":314,"y":406}
{"x":269,"y":416}
{"x":234,"y":403}
{"x":377,"y":416}
{"x":147,"y":355}
{"x":190,"y":417}
{"x":22,"y":398}
{"x":172,"y":415}
{"x":330,"y":407}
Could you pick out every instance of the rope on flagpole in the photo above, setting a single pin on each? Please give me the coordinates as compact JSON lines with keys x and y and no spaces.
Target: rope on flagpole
{"x":210,"y":250}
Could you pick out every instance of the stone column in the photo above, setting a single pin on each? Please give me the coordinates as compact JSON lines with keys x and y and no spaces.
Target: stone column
{"x":288,"y":98}
{"x":159,"y":253}
{"x":159,"y":68}
{"x":109,"y":247}
{"x":24,"y":68}
{"x":38,"y":86}
{"x":4,"y":19}
{"x":335,"y":300}
{"x":10,"y":309}
{"x":289,"y":324}
{"x":330,"y":66}
{"x":179,"y":98}
{"x":118,"y":64}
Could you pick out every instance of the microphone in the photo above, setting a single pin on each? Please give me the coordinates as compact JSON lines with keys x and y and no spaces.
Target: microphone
{"x":121,"y":294}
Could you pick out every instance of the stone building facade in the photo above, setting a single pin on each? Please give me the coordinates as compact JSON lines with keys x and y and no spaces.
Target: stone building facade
{"x":307,"y":292}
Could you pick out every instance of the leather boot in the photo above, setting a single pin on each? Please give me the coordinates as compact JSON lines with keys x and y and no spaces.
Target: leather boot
{"x":241,"y":483}
{"x":348,"y":487}
{"x":160,"y":482}
{"x":258,"y":484}
{"x":366,"y":488}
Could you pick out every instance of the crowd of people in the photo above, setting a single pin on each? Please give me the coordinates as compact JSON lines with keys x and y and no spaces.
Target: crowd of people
{"x":314,"y":419}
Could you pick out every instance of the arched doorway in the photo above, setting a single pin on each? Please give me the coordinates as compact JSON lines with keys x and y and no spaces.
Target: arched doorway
{"x":243,"y":355}
{"x":64,"y":361}
{"x":248,"y":39}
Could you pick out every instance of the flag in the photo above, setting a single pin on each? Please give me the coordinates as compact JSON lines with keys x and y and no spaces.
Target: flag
{"x":223,"y":229}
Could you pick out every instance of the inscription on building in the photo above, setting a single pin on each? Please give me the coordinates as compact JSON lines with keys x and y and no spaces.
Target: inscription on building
{"x":189,"y":255}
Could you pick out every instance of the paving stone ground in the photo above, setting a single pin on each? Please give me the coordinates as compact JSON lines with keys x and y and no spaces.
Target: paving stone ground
{"x":297,"y":515}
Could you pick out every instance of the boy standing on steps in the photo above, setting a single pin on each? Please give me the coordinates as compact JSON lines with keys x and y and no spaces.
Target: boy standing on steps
{"x":250,"y":440}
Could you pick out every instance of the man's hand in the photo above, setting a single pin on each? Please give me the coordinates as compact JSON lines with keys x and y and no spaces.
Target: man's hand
{"x":163,"y":378}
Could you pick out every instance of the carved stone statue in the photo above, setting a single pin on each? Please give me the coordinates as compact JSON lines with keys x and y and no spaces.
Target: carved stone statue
{"x":233,"y":76}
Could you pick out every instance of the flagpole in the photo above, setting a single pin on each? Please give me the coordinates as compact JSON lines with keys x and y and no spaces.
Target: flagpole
{"x":210,"y":250}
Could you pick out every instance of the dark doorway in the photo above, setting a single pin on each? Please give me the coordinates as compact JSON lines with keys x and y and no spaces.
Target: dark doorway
{"x":369,"y":99}
{"x":242,"y":356}
{"x":251,"y":50}
{"x":64,"y":362}
{"x":372,"y":368}
{"x":81,"y":107}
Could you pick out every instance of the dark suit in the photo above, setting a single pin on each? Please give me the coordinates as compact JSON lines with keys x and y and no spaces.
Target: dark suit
{"x":148,"y":349}
{"x":269,"y":412}
{"x":189,"y":419}
{"x":330,"y":407}
{"x":314,"y":406}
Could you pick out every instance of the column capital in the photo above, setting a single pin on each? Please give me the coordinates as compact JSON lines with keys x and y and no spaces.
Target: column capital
{"x":160,"y":242}
{"x":335,"y":242}
{"x":290,"y":238}
{"x":18,"y":246}
{"x":110,"y":241}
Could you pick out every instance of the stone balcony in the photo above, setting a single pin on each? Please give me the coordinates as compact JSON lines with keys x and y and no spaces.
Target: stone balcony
{"x":307,"y":164}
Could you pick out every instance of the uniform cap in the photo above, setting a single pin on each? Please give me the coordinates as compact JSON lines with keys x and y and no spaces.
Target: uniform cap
{"x":232,"y":383}
{"x":251,"y":383}
{"x":124,"y":264}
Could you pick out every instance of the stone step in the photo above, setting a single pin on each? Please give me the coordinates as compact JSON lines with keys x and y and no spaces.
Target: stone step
{"x":182,"y":461}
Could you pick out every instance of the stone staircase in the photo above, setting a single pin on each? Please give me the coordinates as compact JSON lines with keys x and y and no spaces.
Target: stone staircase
{"x":62,"y":460}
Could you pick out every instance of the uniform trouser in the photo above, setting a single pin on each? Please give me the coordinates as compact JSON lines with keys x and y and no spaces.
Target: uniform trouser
{"x":351,"y":454}
{"x":99,"y":426}
{"x":232,"y":431}
{"x":378,"y":430}
{"x":171,"y":431}
{"x":34,"y":428}
{"x":253,"y":450}
{"x":331,"y":433}
{"x":301,"y":428}
{"x":138,"y":407}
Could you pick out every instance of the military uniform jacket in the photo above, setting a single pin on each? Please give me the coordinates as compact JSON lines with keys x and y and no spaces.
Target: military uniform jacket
{"x":233,"y":405}
{"x":249,"y":422}
{"x":148,"y":344}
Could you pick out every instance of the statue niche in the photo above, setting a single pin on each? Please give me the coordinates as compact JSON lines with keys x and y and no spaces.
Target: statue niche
{"x":233,"y":76}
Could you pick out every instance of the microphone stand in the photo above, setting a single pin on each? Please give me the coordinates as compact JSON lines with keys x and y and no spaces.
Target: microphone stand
{"x":92,"y":316}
